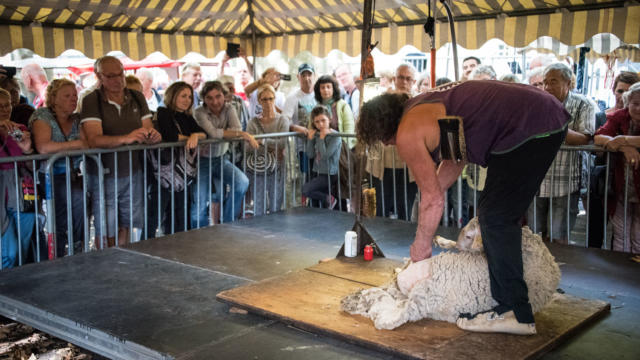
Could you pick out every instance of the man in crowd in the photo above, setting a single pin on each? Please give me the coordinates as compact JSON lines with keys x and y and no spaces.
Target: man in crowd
{"x":536,"y":78}
{"x":35,"y":79}
{"x":297,"y":108}
{"x":483,"y":72}
{"x":114,"y":116}
{"x":405,"y":78}
{"x":192,"y":75}
{"x":243,"y":74}
{"x":388,"y":169}
{"x":468,"y":64}
{"x":150,"y":94}
{"x":352,"y":94}
{"x":562,"y":182}
{"x":233,"y":99}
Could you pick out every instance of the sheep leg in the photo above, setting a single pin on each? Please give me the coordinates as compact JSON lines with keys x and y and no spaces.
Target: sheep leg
{"x":444,"y":243}
{"x":414,"y":273}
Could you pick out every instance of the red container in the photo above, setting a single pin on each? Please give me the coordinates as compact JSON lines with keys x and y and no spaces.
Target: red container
{"x":368,"y":253}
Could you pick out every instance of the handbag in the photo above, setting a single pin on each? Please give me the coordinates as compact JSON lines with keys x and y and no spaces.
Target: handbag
{"x":261,"y":163}
{"x":183,"y":171}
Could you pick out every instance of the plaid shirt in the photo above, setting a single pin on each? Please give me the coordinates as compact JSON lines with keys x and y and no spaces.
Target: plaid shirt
{"x":563,"y":176}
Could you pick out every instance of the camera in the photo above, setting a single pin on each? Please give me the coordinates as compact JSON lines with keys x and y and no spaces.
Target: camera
{"x":10,"y":71}
{"x":232,"y":50}
{"x":17,"y":134}
{"x":285,"y":77}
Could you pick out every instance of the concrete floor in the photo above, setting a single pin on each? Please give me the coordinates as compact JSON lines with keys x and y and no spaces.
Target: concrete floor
{"x":156,"y":299}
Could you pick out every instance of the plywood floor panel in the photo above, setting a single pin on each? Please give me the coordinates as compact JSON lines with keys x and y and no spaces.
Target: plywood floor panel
{"x":310,"y":299}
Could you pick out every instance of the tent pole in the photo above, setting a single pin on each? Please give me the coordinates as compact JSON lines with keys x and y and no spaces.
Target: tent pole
{"x":254,"y":44}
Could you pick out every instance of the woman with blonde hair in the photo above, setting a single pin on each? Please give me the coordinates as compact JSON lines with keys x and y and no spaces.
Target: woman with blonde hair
{"x":270,"y":170}
{"x":16,"y":224}
{"x":56,"y":128}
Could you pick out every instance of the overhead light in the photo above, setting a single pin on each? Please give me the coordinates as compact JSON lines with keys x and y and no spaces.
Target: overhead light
{"x":393,"y":26}
{"x":180,"y":33}
{"x":89,"y":28}
{"x":137,"y":30}
{"x":501,"y":16}
{"x":36,"y":24}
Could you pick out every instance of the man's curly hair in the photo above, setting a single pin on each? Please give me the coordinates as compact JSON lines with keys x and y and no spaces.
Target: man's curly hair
{"x":380,"y":117}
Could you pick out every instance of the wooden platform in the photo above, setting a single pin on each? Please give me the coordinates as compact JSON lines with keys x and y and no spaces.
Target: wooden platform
{"x":310,"y":299}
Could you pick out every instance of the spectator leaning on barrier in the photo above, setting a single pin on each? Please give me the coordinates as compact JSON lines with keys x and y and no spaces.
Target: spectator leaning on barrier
{"x":16,"y":225}
{"x":269,"y":171}
{"x":35,"y":79}
{"x":114,"y":116}
{"x":220,"y":121}
{"x":562,"y":181}
{"x":176,"y":123}
{"x":56,"y":128}
{"x":325,"y":152}
{"x":621,"y":133}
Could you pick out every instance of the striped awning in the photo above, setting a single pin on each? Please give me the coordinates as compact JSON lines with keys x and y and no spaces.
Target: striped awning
{"x":140,"y":27}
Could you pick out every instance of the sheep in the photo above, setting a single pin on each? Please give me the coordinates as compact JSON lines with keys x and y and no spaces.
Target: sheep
{"x":453,"y":283}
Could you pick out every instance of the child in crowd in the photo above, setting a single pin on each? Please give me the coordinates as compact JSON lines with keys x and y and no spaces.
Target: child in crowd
{"x":325,"y":150}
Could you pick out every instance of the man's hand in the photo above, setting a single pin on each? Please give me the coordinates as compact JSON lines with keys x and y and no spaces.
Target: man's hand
{"x":152,"y":136}
{"x":250,"y":139}
{"x":420,"y":250}
{"x":138,"y":135}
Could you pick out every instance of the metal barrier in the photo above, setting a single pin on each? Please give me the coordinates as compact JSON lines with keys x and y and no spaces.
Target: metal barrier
{"x":267,"y":192}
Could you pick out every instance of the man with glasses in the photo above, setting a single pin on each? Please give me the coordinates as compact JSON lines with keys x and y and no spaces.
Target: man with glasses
{"x":405,"y":79}
{"x":113,"y":116}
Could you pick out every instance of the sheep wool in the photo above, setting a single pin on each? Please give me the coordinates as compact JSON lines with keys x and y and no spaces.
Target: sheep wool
{"x":459,"y":283}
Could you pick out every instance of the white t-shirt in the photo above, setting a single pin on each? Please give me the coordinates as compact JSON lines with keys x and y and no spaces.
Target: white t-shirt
{"x":298,"y":106}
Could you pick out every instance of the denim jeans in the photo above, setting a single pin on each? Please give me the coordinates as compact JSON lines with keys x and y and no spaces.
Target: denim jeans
{"x":10,"y":238}
{"x":224,"y":174}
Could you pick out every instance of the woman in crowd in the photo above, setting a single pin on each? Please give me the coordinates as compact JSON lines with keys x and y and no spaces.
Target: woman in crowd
{"x":21,"y":111}
{"x":621,"y":133}
{"x":327,"y":94}
{"x":219,"y":120}
{"x":16,"y":226}
{"x":56,"y":128}
{"x":424,"y":84}
{"x":269,"y":171}
{"x":325,"y":150}
{"x":176,"y":123}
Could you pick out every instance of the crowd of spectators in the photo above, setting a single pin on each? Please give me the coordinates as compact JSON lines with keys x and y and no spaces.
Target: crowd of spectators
{"x":241,"y":174}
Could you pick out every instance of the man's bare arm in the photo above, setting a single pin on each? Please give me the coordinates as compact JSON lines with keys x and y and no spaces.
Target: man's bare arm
{"x":96,"y":139}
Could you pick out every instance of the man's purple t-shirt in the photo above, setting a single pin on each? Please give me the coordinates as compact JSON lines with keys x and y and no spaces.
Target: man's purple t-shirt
{"x":498,"y":116}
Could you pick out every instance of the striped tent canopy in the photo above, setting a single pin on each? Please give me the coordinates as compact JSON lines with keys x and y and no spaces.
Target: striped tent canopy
{"x":140,"y":27}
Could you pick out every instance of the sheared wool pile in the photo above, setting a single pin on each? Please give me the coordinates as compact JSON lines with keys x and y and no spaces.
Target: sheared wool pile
{"x":459,"y":283}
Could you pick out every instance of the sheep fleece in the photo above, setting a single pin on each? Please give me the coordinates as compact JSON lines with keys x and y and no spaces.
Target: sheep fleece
{"x":459,"y":283}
